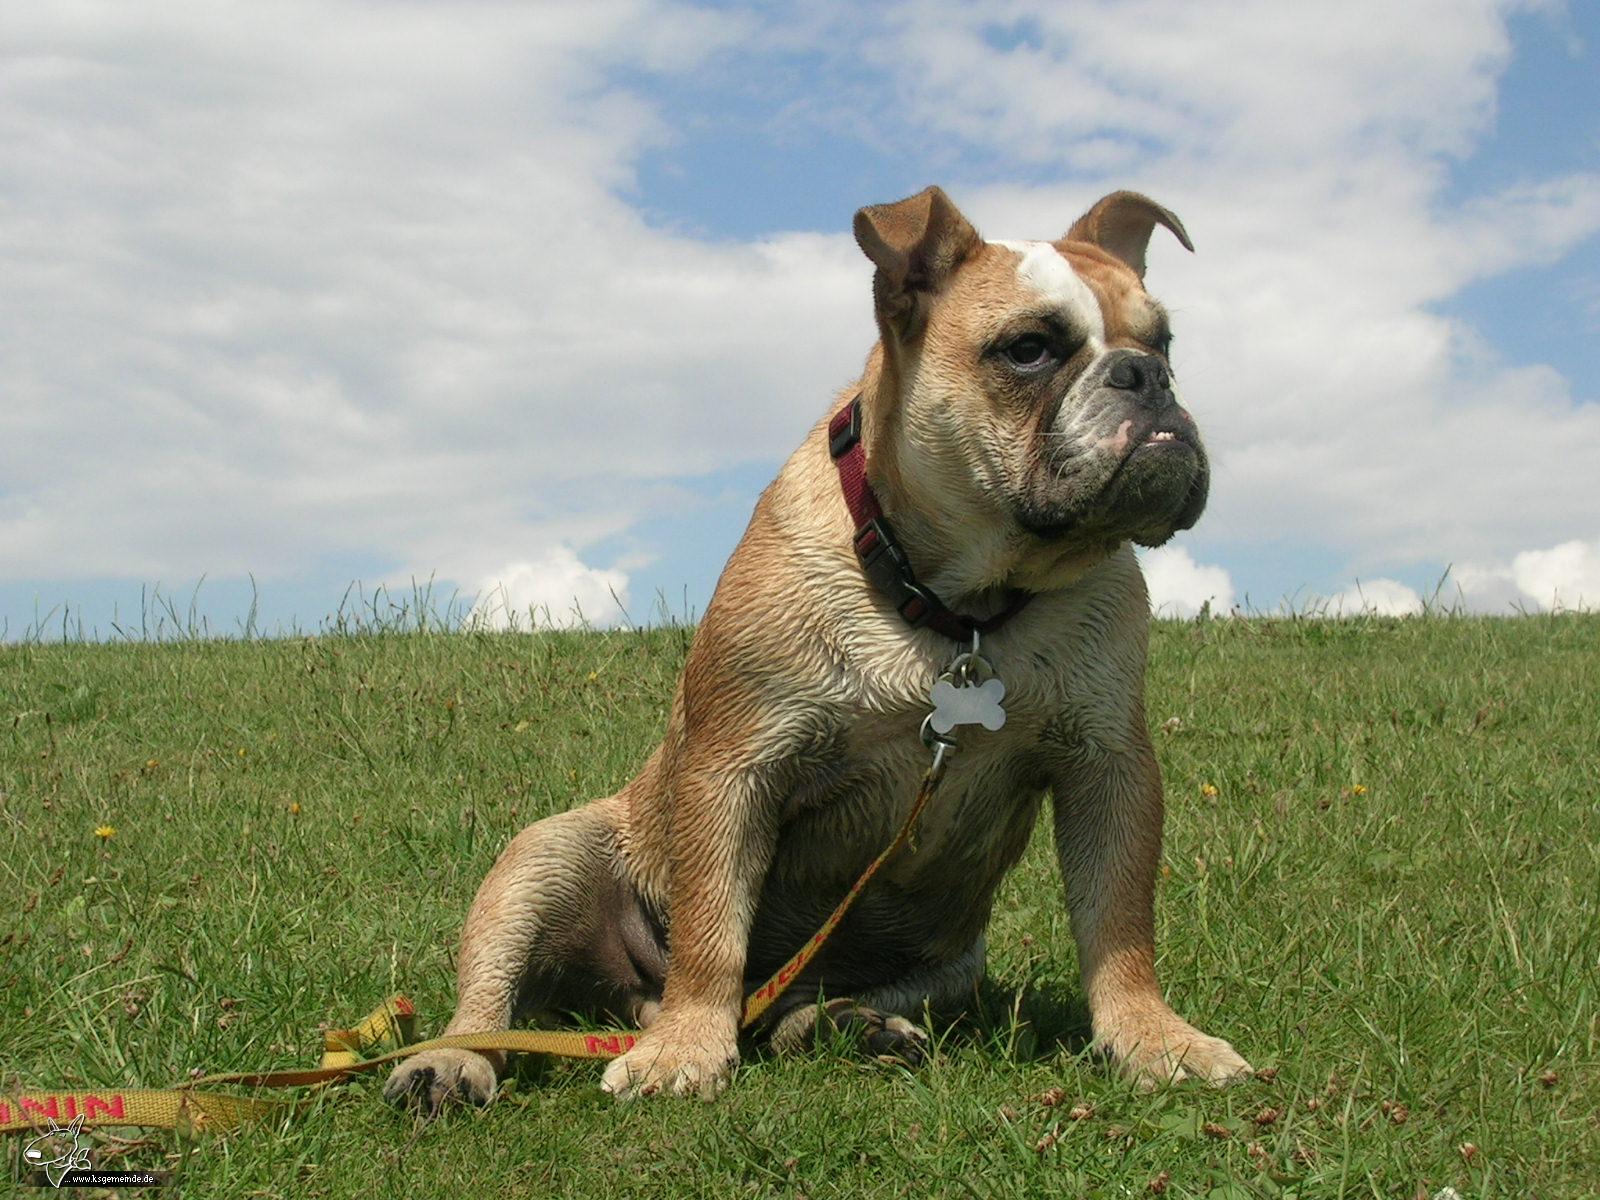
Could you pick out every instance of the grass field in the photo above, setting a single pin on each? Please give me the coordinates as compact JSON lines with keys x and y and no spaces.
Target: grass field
{"x":1382,"y":880}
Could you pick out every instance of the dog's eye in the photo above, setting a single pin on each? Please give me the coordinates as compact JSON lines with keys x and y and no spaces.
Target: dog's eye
{"x":1030,"y":352}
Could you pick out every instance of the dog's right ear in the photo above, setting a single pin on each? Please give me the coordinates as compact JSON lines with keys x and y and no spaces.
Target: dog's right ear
{"x":1122,"y":223}
{"x":915,"y":243}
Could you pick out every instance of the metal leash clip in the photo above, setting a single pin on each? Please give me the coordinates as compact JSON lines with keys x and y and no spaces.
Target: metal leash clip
{"x":942,"y":745}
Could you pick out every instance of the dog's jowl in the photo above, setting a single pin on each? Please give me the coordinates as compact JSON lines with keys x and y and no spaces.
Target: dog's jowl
{"x":1016,"y":428}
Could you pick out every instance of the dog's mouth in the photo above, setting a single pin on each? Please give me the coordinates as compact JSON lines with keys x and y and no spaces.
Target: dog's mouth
{"x":1159,"y":478}
{"x":1169,"y":434}
{"x":1163,"y":476}
{"x":1145,"y":479}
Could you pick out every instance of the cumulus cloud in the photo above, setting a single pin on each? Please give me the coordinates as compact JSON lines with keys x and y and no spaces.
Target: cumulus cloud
{"x":1560,"y":578}
{"x":1181,"y":587}
{"x":1378,"y":597}
{"x":334,"y":283}
{"x":556,"y":589}
{"x":1563,"y":577}
{"x":329,"y":283}
{"x":1308,"y":149}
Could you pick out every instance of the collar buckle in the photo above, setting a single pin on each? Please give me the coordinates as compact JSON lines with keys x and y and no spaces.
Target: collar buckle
{"x":889,"y":569}
{"x":844,"y":431}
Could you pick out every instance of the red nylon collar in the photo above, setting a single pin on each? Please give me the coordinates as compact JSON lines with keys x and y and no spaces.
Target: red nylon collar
{"x":882,"y":557}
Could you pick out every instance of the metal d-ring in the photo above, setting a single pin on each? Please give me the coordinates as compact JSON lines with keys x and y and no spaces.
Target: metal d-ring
{"x":969,"y":667}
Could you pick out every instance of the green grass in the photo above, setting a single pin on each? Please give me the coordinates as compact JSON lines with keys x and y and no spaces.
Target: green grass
{"x":1391,"y":899}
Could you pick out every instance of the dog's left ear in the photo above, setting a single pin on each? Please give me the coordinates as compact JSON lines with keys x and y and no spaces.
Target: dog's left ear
{"x":915,"y":244}
{"x":1121,"y":224}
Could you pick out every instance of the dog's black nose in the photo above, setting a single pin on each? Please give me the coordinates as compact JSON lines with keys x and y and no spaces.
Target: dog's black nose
{"x":1144,"y":374}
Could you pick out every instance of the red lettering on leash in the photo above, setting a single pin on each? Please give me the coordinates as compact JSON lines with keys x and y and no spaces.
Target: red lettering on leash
{"x":93,"y":1106}
{"x":47,"y":1109}
{"x":64,"y":1106}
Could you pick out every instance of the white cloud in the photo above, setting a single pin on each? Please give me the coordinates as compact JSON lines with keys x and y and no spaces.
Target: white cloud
{"x":331,"y":282}
{"x":1181,"y":587}
{"x":555,"y":589}
{"x":1378,"y":597}
{"x":1308,"y":149}
{"x":1484,"y":588}
{"x":1564,"y":577}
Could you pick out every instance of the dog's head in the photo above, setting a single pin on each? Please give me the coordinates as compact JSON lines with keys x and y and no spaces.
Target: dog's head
{"x":1026,"y":384}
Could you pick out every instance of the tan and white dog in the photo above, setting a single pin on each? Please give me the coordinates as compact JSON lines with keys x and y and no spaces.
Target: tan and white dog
{"x":1021,"y":430}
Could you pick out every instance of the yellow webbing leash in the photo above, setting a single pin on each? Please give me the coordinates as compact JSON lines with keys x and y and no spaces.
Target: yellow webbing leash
{"x":384,"y":1037}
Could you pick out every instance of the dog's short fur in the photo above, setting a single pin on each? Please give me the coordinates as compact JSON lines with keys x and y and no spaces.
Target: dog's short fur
{"x":1021,"y":430}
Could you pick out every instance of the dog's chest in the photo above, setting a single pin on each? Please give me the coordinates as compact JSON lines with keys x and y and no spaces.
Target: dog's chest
{"x":932,"y":898}
{"x":855,"y":793}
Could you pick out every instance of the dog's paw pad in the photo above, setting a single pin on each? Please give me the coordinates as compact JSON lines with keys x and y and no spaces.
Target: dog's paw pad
{"x":436,"y":1079}
{"x":881,"y":1035}
{"x":898,"y":1040}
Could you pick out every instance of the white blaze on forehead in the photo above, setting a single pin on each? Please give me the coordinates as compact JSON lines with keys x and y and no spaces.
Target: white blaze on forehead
{"x":1047,"y":271}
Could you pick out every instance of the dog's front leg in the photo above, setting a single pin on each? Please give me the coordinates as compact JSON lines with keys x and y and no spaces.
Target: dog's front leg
{"x":1108,"y":812}
{"x":723,"y":833}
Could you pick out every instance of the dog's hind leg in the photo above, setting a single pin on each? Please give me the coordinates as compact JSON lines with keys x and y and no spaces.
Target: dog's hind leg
{"x":878,"y":1033}
{"x":553,"y":927}
{"x":872,"y":1017}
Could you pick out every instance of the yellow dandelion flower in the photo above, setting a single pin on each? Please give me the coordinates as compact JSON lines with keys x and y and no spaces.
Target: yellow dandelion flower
{"x":294,"y":808}
{"x":1360,"y":789}
{"x":152,"y":764}
{"x":1208,"y":790}
{"x":241,"y":751}
{"x":105,"y":832}
{"x":593,"y":675}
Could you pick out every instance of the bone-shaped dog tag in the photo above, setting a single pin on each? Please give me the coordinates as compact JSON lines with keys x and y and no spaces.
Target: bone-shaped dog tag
{"x":969,"y":704}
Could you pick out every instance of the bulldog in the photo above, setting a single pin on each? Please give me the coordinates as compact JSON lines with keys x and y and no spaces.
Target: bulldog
{"x":1016,"y":428}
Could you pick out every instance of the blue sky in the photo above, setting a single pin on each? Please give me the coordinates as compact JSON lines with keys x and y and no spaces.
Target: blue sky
{"x":502,"y":295}
{"x":1547,"y":122}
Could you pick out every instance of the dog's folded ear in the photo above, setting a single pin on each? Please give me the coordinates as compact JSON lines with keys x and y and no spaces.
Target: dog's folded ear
{"x":915,"y":243}
{"x":1121,"y":224}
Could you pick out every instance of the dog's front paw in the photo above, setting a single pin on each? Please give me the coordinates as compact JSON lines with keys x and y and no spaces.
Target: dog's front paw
{"x":677,"y":1057}
{"x":1158,"y":1047}
{"x":435,"y":1078}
